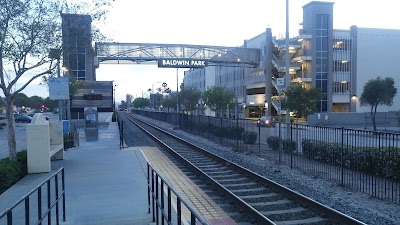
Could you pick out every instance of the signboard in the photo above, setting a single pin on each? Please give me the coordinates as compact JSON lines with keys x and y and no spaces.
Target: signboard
{"x":280,"y":82}
{"x":182,"y":63}
{"x":92,"y":96}
{"x":59,"y":88}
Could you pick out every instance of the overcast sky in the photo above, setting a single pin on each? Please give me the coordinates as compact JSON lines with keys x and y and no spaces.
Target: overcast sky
{"x":211,"y":22}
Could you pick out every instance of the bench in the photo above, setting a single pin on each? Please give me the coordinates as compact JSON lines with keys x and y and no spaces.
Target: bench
{"x":45,"y":141}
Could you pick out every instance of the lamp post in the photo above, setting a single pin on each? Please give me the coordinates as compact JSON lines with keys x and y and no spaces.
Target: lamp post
{"x":177,"y":95}
{"x":287,"y":78}
{"x":56,"y":54}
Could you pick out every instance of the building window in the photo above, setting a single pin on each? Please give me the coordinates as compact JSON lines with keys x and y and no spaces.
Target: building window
{"x":342,"y":87}
{"x":321,"y":60}
{"x":77,"y":53}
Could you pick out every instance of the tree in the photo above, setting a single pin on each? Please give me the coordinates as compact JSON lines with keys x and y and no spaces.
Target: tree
{"x":301,"y":101}
{"x":189,"y":97}
{"x":35,"y":102}
{"x":50,"y":104}
{"x":21,"y":99}
{"x":217,"y":98}
{"x":378,"y":92}
{"x":170,"y":102}
{"x":140,"y":102}
{"x":123,"y":105}
{"x":28,"y":29}
{"x":27,"y":32}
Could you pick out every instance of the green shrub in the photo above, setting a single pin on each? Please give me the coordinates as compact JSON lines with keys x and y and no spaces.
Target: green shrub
{"x":2,"y":124}
{"x":217,"y":131}
{"x":23,"y":163}
{"x":68,"y":140}
{"x":114,"y":117}
{"x":249,"y":137}
{"x":2,"y":118}
{"x":383,"y":161}
{"x":273,"y":142}
{"x":289,"y":145}
{"x":12,"y":171}
{"x":234,"y":132}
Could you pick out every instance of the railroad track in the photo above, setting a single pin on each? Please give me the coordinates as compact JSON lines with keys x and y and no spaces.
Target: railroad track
{"x":263,"y":200}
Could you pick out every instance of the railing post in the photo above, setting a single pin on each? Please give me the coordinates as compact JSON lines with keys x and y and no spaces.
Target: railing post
{"x":27,"y":222}
{"x":48,"y":203}
{"x":56,"y":195}
{"x":9,"y":218}
{"x":208,"y":126}
{"x":63,"y":190}
{"x":178,"y":211}
{"x":162,"y":201}
{"x":39,"y":202}
{"x":152,"y":195}
{"x":291,"y":141}
{"x":192,"y":219}
{"x":220,"y":130}
{"x":342,"y":159}
{"x":198,"y":126}
{"x":157,"y":201}
{"x":169,"y":206}
{"x":237,"y":130}
{"x":148,"y":186}
{"x":280,"y":142}
{"x":259,"y":140}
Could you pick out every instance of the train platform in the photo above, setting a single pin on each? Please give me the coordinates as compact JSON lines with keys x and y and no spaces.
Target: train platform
{"x":106,"y":185}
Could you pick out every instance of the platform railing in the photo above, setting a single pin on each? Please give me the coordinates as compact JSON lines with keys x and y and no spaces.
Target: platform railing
{"x":160,"y":200}
{"x":53,"y":193}
{"x":363,"y":160}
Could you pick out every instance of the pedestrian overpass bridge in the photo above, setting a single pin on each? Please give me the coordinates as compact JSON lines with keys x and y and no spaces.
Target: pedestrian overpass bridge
{"x":175,"y":55}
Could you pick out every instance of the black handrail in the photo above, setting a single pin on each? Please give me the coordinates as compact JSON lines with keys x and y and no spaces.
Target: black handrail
{"x":158,"y":190}
{"x":40,"y":216}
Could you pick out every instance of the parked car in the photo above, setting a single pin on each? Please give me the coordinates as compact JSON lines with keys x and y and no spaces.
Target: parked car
{"x":23,"y":119}
{"x":32,"y":114}
{"x":266,"y":121}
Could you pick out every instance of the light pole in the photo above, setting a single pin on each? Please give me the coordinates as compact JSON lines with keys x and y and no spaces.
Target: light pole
{"x":177,"y":95}
{"x":287,"y":78}
{"x":56,"y":54}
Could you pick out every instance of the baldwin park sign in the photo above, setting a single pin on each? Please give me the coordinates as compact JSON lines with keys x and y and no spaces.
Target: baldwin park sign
{"x":182,"y":63}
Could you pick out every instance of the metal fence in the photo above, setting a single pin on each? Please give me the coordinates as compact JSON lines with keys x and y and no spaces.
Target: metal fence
{"x":37,"y":207}
{"x":163,"y":199}
{"x":363,"y":160}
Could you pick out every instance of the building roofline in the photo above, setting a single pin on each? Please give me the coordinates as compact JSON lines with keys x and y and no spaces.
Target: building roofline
{"x":318,"y":2}
{"x":76,"y":15}
{"x":247,"y":40}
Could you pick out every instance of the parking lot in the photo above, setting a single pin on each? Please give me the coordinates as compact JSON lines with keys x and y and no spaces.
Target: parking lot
{"x":20,"y":134}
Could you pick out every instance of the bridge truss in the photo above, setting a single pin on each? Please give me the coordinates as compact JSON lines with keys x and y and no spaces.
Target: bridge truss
{"x":126,"y":53}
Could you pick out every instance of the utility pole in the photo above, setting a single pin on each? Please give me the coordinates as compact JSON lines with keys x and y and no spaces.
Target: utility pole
{"x":287,"y":76}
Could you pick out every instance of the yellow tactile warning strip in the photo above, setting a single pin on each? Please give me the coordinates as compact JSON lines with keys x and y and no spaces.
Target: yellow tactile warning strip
{"x":185,"y":187}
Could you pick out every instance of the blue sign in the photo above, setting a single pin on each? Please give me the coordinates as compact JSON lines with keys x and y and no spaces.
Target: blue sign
{"x":182,"y":63}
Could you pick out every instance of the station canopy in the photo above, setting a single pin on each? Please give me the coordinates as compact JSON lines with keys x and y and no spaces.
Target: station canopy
{"x":176,"y":55}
